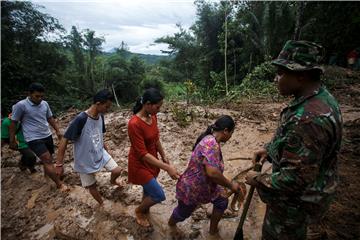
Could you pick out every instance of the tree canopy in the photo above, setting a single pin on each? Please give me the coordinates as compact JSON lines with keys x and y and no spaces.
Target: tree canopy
{"x":228,"y":41}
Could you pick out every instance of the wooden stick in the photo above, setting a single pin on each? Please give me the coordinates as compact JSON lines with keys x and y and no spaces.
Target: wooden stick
{"x":239,"y":158}
{"x":242,"y":172}
{"x":248,"y":169}
{"x":239,"y":235}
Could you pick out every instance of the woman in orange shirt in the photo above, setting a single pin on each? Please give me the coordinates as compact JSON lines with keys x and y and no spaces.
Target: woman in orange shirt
{"x":144,"y":165}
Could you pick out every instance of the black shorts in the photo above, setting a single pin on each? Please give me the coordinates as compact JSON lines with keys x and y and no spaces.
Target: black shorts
{"x":41,"y":146}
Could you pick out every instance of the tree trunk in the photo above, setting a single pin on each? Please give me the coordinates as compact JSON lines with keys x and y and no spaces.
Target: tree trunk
{"x":225,"y":55}
{"x":299,"y":19}
{"x":117,"y":102}
{"x":250,"y":63}
{"x":234,"y":67}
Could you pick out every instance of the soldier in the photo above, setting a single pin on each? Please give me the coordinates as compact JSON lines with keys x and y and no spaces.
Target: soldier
{"x":304,"y":149}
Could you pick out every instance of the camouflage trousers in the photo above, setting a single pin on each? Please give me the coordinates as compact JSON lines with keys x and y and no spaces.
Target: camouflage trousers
{"x":283,"y":222}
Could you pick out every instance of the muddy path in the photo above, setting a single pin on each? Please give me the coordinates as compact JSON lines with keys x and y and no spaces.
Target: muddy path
{"x":31,"y":208}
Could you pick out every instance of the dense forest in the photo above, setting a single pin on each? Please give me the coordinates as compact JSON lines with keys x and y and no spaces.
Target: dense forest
{"x":224,"y":54}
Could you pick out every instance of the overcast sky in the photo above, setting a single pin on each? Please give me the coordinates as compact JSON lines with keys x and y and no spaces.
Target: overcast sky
{"x":136,"y":22}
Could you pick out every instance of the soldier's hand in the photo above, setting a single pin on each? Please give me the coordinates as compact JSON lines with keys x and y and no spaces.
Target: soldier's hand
{"x":260,"y":156}
{"x":250,"y":178}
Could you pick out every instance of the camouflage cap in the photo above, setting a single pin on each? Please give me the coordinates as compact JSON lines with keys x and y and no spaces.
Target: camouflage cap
{"x":300,"y":56}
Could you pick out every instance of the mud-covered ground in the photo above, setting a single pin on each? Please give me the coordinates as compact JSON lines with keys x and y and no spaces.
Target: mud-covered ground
{"x":32,"y":208}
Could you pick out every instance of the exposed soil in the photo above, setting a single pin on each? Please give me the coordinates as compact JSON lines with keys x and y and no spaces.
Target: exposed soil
{"x":32,"y":208}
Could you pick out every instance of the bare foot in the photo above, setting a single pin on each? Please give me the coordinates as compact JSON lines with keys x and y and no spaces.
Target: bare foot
{"x":141,"y":218}
{"x":171,"y":222}
{"x":175,"y":233}
{"x":63,"y":188}
{"x":118,"y":182}
{"x":214,"y":232}
{"x":99,"y":207}
{"x":106,"y":206}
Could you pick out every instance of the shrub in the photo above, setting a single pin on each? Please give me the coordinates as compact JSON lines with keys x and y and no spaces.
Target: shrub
{"x":150,"y":82}
{"x":258,"y":83}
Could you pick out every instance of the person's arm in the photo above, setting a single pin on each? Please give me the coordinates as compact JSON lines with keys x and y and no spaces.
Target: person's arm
{"x":104,"y":130}
{"x":138,"y":144}
{"x":161,"y":152}
{"x":216,"y":176}
{"x":12,"y":133}
{"x":212,"y":162}
{"x":105,"y":147}
{"x":71,"y":134}
{"x":304,"y":148}
{"x":16,"y":117}
{"x":160,"y":164}
{"x":53,"y":123}
{"x":59,"y":168}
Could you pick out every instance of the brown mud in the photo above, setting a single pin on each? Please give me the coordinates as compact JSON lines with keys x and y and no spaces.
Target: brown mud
{"x":32,"y":208}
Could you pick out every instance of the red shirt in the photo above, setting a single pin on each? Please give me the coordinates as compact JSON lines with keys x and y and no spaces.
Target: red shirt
{"x":352,"y":54}
{"x":143,"y":139}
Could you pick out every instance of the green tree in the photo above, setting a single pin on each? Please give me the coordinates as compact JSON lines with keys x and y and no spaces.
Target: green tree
{"x":125,"y":76}
{"x":75,"y":42}
{"x":27,"y":55}
{"x":207,"y":28}
{"x":93,"y":48}
{"x":335,"y":25}
{"x":184,"y":51}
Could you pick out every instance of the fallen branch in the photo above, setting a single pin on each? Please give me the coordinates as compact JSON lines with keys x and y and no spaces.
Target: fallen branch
{"x":248,"y":169}
{"x":243,"y":172}
{"x":239,"y":158}
{"x":251,"y":121}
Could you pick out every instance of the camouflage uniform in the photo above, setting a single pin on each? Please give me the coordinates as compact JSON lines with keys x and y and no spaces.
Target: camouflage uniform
{"x":303,"y":153}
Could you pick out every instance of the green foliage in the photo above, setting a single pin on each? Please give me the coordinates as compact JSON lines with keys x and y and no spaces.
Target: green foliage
{"x":219,"y":87}
{"x":26,"y":55}
{"x":60,"y":103}
{"x":168,"y":73}
{"x":119,"y":74}
{"x":258,"y":83}
{"x":183,"y":116}
{"x":152,"y":82}
{"x":174,"y":91}
{"x":191,"y":91}
{"x":334,"y":24}
{"x":149,"y":59}
{"x":73,"y":68}
{"x":255,"y":30}
{"x":184,"y":49}
{"x":92,"y":46}
{"x":264,"y":72}
{"x":334,"y":77}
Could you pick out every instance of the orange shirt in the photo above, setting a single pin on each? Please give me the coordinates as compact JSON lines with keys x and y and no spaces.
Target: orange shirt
{"x":143,"y":139}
